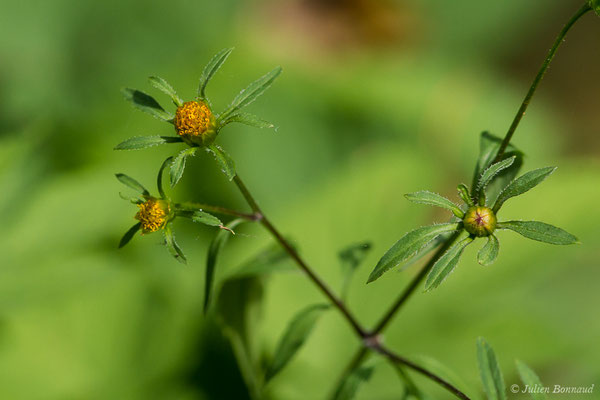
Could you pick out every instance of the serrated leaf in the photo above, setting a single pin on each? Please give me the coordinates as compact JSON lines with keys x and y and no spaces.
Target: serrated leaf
{"x":251,"y":92}
{"x":164,"y":86}
{"x":132,"y":183}
{"x":351,"y":257}
{"x":446,"y":264}
{"x":530,"y":378}
{"x":294,"y":337}
{"x":434,"y":199}
{"x":489,"y":370}
{"x":540,"y":231}
{"x":146,"y":103}
{"x":206,"y":218}
{"x":489,"y":252}
{"x":224,"y":160}
{"x":349,"y":386}
{"x":409,"y":246}
{"x":178,"y":165}
{"x":247,"y":119}
{"x":489,"y":173}
{"x":142,"y":142}
{"x":523,"y":184}
{"x":267,"y":261}
{"x":172,"y":245}
{"x":211,"y":259}
{"x":210,"y":69}
{"x":129,"y":234}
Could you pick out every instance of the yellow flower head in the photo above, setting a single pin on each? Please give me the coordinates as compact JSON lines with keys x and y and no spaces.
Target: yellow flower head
{"x":480,"y":221}
{"x":153,"y":215}
{"x":195,"y":122}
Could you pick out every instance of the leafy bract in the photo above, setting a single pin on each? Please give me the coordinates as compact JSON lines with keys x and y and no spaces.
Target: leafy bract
{"x":142,"y":142}
{"x":522,"y":184}
{"x":446,"y":264}
{"x":409,"y":246}
{"x":489,"y":252}
{"x":434,"y":199}
{"x":540,"y":231}
{"x":147,"y":104}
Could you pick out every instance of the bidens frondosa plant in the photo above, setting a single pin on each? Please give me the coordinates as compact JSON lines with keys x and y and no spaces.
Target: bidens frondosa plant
{"x":476,"y":218}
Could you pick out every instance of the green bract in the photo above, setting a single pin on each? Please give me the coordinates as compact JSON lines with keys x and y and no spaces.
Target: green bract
{"x":493,"y":184}
{"x":195,"y":123}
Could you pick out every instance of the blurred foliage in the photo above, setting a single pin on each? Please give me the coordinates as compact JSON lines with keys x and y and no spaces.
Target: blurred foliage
{"x":362,"y":121}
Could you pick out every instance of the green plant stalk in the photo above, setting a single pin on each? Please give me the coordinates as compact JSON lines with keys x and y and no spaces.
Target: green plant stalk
{"x":559,"y":39}
{"x":369,"y":340}
{"x":362,"y":353}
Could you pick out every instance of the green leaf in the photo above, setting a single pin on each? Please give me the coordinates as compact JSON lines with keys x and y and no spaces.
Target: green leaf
{"x":172,"y":245}
{"x":446,"y":264}
{"x":178,"y":164}
{"x":434,"y":199}
{"x":247,"y":119}
{"x":522,"y":184}
{"x":463,"y":192}
{"x":142,"y":142}
{"x":211,"y":260}
{"x":530,"y":378}
{"x":147,"y":104}
{"x":251,"y":92}
{"x":129,"y":234}
{"x":409,"y":246}
{"x":491,"y":375}
{"x":489,"y":252}
{"x":132,"y":183}
{"x":164,"y":86}
{"x":224,"y":160}
{"x":489,"y":173}
{"x":504,"y":177}
{"x":267,"y":261}
{"x":351,"y":257}
{"x":210,"y":69}
{"x":239,"y":309}
{"x":349,"y":386}
{"x":539,"y":231}
{"x":206,"y":218}
{"x":294,"y":337}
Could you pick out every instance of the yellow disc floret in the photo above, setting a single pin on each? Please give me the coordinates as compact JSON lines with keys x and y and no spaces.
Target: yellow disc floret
{"x":195,"y":122}
{"x":153,"y":215}
{"x":480,"y":221}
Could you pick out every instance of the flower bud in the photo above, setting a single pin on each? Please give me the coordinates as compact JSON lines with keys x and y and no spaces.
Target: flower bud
{"x":480,"y":221}
{"x":195,"y":123}
{"x":153,"y":215}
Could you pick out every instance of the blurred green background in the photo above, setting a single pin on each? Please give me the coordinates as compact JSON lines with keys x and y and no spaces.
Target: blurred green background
{"x":377,"y":99}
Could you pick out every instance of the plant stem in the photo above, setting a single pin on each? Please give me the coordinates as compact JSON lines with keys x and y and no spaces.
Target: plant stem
{"x":337,"y":302}
{"x":400,"y":360}
{"x":559,"y":39}
{"x":410,"y":289}
{"x":219,"y":210}
{"x":369,"y":340}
